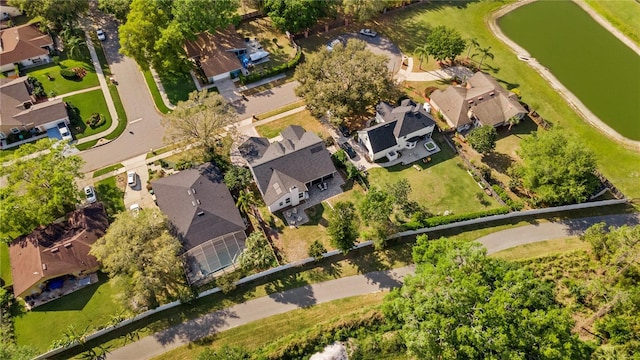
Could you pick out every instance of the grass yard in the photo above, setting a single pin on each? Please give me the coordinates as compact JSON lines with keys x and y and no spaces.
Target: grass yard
{"x":108,"y":169}
{"x":262,"y":332}
{"x":285,"y":108}
{"x":543,"y":248}
{"x":621,"y":14}
{"x":110,"y":192}
{"x":177,"y":86}
{"x":92,"y":307}
{"x":155,"y":93}
{"x":303,"y":118}
{"x":556,"y":44}
{"x":619,"y":164}
{"x":60,"y":85}
{"x":442,"y":185}
{"x":280,"y":50}
{"x":5,"y":266}
{"x":87,"y":104}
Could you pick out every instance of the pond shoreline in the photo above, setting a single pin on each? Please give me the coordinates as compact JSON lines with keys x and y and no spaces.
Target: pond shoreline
{"x":571,"y":99}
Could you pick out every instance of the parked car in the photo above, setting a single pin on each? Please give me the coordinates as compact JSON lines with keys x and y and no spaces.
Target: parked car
{"x":368,"y":32}
{"x":132,"y":178}
{"x":349,"y":150}
{"x":64,"y":132}
{"x":344,"y":131}
{"x":101,"y":35}
{"x":90,"y":193}
{"x":333,"y":43}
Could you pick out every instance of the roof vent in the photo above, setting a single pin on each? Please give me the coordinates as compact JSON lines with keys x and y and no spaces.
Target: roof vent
{"x":44,"y":266}
{"x":470,"y":101}
{"x":193,"y":203}
{"x":67,"y":245}
{"x":480,"y":98}
{"x":198,"y":201}
{"x":55,"y":250}
{"x":200,"y":213}
{"x":492,"y":93}
{"x":188,"y":192}
{"x":193,"y":190}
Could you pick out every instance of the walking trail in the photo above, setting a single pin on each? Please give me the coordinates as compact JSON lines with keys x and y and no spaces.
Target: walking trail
{"x":309,"y":295}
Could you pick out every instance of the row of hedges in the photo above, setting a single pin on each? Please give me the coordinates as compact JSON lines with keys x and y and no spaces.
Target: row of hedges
{"x":448,"y":219}
{"x":291,"y":64}
{"x":514,"y":205}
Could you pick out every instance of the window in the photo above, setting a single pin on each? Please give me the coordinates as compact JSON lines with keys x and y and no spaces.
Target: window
{"x":281,"y":203}
{"x":2,"y":135}
{"x":300,"y":195}
{"x":36,"y":60}
{"x":15,"y":131}
{"x":288,"y":200}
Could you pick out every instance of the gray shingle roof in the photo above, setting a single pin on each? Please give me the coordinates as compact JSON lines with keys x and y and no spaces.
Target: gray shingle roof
{"x":296,"y":160}
{"x":198,"y":204}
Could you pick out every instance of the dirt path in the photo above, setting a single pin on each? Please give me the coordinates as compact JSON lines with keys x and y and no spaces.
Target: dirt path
{"x":573,"y":100}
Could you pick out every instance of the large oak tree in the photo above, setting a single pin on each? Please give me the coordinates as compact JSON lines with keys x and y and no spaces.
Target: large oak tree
{"x":347,"y":81}
{"x":295,"y":15}
{"x":57,"y":14}
{"x":39,"y":188}
{"x":444,"y":43}
{"x":343,"y":225}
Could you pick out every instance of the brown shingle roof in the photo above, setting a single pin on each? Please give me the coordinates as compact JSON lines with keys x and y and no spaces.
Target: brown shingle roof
{"x":21,"y":43}
{"x":214,"y":51}
{"x":14,"y":94}
{"x":57,"y":249}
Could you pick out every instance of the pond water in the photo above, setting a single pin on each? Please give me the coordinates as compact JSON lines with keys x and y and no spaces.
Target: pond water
{"x":592,"y":63}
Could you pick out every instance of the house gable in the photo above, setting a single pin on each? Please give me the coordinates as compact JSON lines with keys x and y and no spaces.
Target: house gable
{"x":23,"y":42}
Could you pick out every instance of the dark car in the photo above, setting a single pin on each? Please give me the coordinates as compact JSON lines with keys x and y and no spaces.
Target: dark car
{"x":349,"y":150}
{"x":344,"y":131}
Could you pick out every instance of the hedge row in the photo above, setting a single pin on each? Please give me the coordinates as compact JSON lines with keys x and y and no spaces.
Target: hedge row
{"x":291,"y":64}
{"x":448,"y":219}
{"x":514,"y":205}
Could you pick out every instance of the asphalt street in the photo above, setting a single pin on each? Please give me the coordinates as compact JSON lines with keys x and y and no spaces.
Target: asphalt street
{"x":309,"y":295}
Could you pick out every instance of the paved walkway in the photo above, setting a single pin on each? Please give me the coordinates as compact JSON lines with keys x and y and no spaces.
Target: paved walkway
{"x":569,"y":97}
{"x":60,"y":97}
{"x":309,"y":295}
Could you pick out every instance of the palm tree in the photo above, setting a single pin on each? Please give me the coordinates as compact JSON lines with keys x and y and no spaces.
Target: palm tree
{"x":74,"y":45}
{"x":473,"y":43}
{"x":485,"y":54}
{"x":245,"y":202}
{"x":514,"y":120}
{"x":423,"y":53}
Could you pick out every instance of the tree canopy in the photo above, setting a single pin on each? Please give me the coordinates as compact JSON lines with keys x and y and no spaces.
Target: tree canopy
{"x":557,"y":169}
{"x":444,"y":43}
{"x":257,"y":254}
{"x":347,"y":81}
{"x":375,"y":209}
{"x":118,"y":8}
{"x":39,"y":189}
{"x":483,"y":139}
{"x":295,"y":15}
{"x":199,"y":118}
{"x":155,"y":30}
{"x":56,"y":14}
{"x":343,"y":225}
{"x":363,"y":10}
{"x":461,"y":304}
{"x":238,"y":177}
{"x":140,"y":250}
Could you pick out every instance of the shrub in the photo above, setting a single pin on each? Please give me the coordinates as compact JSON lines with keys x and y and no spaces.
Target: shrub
{"x":56,"y":60}
{"x":316,"y":250}
{"x":96,"y":120}
{"x":227,"y":282}
{"x":429,"y":90}
{"x":448,"y":219}
{"x":80,"y":72}
{"x":513,"y":205}
{"x":68,"y":74}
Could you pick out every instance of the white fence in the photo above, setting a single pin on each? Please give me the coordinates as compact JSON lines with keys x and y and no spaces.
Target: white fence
{"x":333,"y":253}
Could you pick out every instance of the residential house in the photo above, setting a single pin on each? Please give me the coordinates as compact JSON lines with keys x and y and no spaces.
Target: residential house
{"x":482,"y":102}
{"x":7,"y":11}
{"x":24,"y":45}
{"x":200,"y":206}
{"x":217,"y":54}
{"x":20,"y":112}
{"x":285,"y":170}
{"x":52,"y":253}
{"x":395,"y":129}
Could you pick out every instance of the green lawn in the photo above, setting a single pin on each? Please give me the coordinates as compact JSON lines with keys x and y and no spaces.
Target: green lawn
{"x":108,"y":169}
{"x":92,"y":306}
{"x":177,"y":86}
{"x":542,"y":248}
{"x":555,"y":46}
{"x":59,"y":84}
{"x":89,"y":103}
{"x":621,"y":14}
{"x":443,"y":184}
{"x":112,"y":195}
{"x":262,"y":332}
{"x":5,"y":266}
{"x":303,"y":118}
{"x":280,"y":110}
{"x":155,"y":93}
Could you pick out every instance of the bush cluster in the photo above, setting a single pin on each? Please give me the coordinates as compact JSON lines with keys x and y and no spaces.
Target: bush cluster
{"x":448,"y":219}
{"x":96,"y":120}
{"x":291,"y":64}
{"x":68,"y":74}
{"x":513,"y":205}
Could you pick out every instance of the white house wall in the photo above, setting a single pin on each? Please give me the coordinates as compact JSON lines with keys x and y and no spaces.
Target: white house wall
{"x":44,"y":59}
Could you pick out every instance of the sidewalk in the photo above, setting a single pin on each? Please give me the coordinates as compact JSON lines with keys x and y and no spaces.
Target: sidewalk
{"x":163,"y":94}
{"x":75,"y":93}
{"x":105,"y":92}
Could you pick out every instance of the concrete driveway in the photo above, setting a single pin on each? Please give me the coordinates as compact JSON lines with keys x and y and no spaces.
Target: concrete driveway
{"x":382,"y":46}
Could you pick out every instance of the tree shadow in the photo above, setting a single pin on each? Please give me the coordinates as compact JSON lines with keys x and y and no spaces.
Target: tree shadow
{"x":76,"y":300}
{"x":576,"y":227}
{"x":325,"y":271}
{"x":195,"y":329}
{"x":302,"y":296}
{"x":498,"y":161}
{"x":510,"y":86}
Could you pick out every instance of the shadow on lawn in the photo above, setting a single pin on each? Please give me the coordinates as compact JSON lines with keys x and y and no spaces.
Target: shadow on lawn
{"x":301,"y":295}
{"x":77,"y":300}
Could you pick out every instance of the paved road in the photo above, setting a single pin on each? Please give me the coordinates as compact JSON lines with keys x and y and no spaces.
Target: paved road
{"x":278,"y":303}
